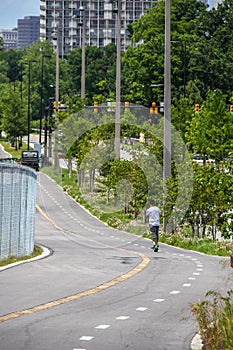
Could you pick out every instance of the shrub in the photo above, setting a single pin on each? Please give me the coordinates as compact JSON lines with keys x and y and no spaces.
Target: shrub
{"x":215,"y":320}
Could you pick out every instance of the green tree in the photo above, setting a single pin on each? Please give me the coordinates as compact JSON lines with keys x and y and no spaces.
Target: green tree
{"x":211,"y":131}
{"x":144,"y":63}
{"x":129,"y":184}
{"x":211,"y":205}
{"x":3,"y":73}
{"x":13,"y":120}
{"x":36,"y":54}
{"x":100,"y":72}
{"x":13,"y":59}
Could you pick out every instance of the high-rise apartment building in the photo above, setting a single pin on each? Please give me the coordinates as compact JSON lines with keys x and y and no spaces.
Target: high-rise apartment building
{"x":28,"y":30}
{"x":97,"y":17}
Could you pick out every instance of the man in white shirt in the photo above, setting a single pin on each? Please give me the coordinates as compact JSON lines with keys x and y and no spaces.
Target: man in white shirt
{"x":153,"y":216}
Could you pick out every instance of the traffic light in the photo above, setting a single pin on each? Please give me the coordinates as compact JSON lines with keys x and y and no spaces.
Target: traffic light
{"x":154,"y":109}
{"x":96,"y":106}
{"x":231,"y":109}
{"x":55,"y":105}
{"x":197,"y":108}
{"x":51,"y":106}
{"x":126,"y":106}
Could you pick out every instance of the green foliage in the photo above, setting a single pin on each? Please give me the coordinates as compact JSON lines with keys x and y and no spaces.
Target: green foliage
{"x":215,"y":319}
{"x":13,"y":120}
{"x":211,"y":132}
{"x":211,"y":203}
{"x":204,"y":245}
{"x":129,"y":184}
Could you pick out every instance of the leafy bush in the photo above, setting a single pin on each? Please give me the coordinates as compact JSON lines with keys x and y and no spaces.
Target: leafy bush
{"x":215,"y":319}
{"x":205,"y":245}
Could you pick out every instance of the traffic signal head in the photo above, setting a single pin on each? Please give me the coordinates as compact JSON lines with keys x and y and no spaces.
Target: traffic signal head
{"x":51,"y":105}
{"x":153,"y":108}
{"x":58,"y":105}
{"x":231,"y":109}
{"x":197,"y":108}
{"x":96,"y":105}
{"x":126,"y":106}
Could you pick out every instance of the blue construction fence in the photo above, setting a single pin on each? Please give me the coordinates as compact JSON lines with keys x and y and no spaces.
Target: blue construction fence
{"x":17,"y":210}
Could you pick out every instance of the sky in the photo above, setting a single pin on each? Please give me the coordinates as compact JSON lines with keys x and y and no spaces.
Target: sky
{"x":12,"y":10}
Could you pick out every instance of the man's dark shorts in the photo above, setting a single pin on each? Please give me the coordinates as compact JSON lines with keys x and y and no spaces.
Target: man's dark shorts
{"x":155,"y":232}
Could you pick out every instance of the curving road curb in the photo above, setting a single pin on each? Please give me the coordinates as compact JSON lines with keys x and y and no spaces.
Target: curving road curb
{"x":46,"y":252}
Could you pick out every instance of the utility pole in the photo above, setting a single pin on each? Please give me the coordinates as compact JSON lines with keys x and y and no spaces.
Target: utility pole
{"x":118,"y":83}
{"x":41,"y":94}
{"x":167,"y":103}
{"x":56,"y":160}
{"x":29,"y":102}
{"x":82,"y":22}
{"x":167,"y":97}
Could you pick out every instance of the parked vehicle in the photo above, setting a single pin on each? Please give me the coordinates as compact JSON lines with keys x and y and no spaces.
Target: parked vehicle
{"x":200,"y":160}
{"x":31,"y":159}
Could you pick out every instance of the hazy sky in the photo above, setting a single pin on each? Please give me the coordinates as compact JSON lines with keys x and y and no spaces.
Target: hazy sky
{"x":12,"y":10}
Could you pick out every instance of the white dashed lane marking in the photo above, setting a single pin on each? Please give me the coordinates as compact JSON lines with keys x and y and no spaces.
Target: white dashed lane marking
{"x":158,"y":300}
{"x":174,"y":292}
{"x":103,"y":326}
{"x":122,"y":318}
{"x":86,"y":338}
{"x":141,"y":308}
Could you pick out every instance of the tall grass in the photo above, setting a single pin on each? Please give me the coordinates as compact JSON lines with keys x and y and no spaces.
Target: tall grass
{"x":215,"y":320}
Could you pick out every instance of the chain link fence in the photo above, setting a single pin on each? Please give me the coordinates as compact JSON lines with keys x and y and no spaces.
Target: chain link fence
{"x":17,"y":210}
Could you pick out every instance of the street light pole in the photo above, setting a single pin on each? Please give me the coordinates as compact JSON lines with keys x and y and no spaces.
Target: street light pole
{"x":57,"y":69}
{"x":41,"y":95}
{"x":167,"y":97}
{"x":83,"y":73}
{"x":118,"y":83}
{"x":29,"y":102}
{"x":56,"y":160}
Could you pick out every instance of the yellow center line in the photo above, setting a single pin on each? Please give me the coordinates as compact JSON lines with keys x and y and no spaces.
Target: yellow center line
{"x":145,"y":260}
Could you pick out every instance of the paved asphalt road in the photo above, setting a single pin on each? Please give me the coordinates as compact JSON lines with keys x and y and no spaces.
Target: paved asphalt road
{"x":101,"y":289}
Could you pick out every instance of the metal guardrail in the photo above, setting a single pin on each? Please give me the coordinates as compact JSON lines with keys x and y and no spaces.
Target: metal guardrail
{"x":17,"y":210}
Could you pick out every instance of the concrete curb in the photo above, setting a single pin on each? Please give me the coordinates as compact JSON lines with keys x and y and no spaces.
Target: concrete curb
{"x":46,"y":252}
{"x":196,"y":343}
